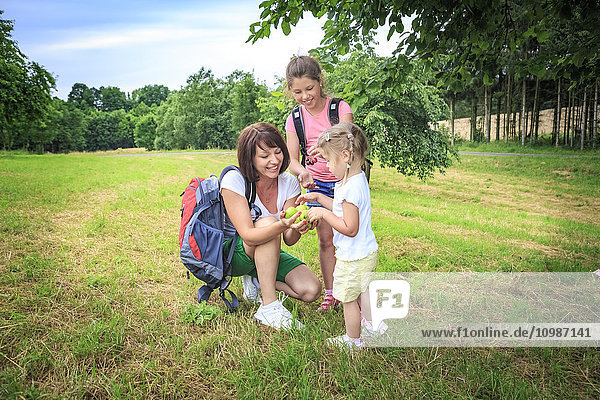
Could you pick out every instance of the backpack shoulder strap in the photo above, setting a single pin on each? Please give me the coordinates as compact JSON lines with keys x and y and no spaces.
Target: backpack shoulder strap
{"x":250,"y":186}
{"x":299,"y":125}
{"x":334,"y":111}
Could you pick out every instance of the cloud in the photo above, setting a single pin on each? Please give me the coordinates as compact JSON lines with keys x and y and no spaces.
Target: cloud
{"x":128,"y":38}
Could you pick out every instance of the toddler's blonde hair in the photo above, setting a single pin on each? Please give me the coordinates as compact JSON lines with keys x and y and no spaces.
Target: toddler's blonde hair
{"x":344,"y":136}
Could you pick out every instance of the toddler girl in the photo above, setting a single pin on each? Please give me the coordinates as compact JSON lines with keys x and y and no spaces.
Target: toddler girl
{"x":344,"y":146}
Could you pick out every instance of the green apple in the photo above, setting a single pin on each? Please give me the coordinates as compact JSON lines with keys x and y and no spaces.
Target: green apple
{"x":303,"y":207}
{"x":290,"y":212}
{"x":303,"y":216}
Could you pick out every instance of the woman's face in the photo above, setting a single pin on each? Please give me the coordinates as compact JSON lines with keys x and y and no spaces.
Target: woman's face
{"x":307,"y":92}
{"x":268,"y":161}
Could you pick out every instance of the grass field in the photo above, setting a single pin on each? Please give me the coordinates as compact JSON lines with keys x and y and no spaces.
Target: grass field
{"x":94,"y":302}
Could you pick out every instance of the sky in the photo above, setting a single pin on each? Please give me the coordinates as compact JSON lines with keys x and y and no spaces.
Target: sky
{"x":133,"y":43}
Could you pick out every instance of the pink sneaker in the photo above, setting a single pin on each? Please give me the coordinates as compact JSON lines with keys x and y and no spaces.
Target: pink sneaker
{"x":328,"y":302}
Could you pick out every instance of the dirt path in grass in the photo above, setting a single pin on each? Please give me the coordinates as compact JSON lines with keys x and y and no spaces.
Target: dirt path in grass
{"x":477,"y":153}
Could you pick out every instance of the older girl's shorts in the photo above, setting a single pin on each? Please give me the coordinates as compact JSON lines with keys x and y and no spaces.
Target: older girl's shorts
{"x":351,"y":278}
{"x":327,"y":188}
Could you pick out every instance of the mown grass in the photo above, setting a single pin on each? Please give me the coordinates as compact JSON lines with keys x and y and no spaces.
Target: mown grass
{"x":544,"y":145}
{"x":94,"y":302}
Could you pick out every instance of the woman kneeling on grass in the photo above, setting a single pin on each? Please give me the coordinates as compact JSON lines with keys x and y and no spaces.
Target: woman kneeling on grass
{"x":263,"y":158}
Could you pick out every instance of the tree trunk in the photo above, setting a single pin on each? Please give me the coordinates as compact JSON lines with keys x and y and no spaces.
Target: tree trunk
{"x":595,"y":123}
{"x":498,"y":117}
{"x":473,"y":116}
{"x":583,"y":118}
{"x":558,"y":113}
{"x":574,"y":120}
{"x":523,"y":117}
{"x":535,"y":112}
{"x":590,"y":131}
{"x":508,"y":109}
{"x":452,"y":133}
{"x":486,"y":113}
{"x":514,"y":125}
{"x":568,"y":120}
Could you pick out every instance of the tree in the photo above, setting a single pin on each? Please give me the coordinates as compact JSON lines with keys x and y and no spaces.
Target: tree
{"x":108,"y":131}
{"x":83,"y":97}
{"x":494,"y":39}
{"x":69,"y":128}
{"x":243,"y":98}
{"x":112,"y":98}
{"x":145,"y":132}
{"x":395,"y":119}
{"x":275,"y":107}
{"x":25,"y":89}
{"x":198,"y":116}
{"x":150,"y":94}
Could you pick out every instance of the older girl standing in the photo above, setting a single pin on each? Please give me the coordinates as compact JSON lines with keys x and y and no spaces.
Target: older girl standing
{"x":305,"y":82}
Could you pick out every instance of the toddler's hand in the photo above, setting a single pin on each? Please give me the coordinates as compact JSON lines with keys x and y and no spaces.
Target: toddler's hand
{"x":306,"y":197}
{"x":316,"y":214}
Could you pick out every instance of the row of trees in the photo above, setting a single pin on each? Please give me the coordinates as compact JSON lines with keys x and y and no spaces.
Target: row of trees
{"x":206,"y":113}
{"x":516,"y":57}
{"x":499,"y":52}
{"x":209,"y":112}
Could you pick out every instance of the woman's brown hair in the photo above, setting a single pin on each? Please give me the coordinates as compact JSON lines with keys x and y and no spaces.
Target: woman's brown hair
{"x":263,"y":135}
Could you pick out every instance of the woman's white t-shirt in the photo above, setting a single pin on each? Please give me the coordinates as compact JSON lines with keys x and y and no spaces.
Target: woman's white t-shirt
{"x":355,"y":191}
{"x":287,"y":188}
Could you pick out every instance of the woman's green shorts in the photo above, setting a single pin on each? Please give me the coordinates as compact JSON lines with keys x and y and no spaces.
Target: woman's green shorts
{"x":241,"y":264}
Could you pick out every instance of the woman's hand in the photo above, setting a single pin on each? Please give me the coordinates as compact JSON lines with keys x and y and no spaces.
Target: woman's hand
{"x":306,"y":180}
{"x":301,"y":225}
{"x":291,"y":222}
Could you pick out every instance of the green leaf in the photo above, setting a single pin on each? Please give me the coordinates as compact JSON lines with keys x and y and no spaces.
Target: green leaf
{"x":285,"y":26}
{"x":295,"y":14}
{"x":530,"y":31}
{"x":266,"y":12}
{"x":542,"y":36}
{"x":391,"y":32}
{"x":359,"y":101}
{"x":487,"y":80}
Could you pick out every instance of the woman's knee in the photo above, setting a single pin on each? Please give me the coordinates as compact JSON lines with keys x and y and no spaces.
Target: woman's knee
{"x":311,"y":290}
{"x":313,"y":293}
{"x":304,"y":283}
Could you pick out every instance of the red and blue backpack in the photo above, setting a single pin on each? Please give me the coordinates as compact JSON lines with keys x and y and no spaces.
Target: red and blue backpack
{"x":203,"y":230}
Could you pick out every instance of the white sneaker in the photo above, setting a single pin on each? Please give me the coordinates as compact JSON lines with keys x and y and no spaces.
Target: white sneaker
{"x":370,"y":330}
{"x":277,"y":316}
{"x":344,"y":342}
{"x":251,"y":291}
